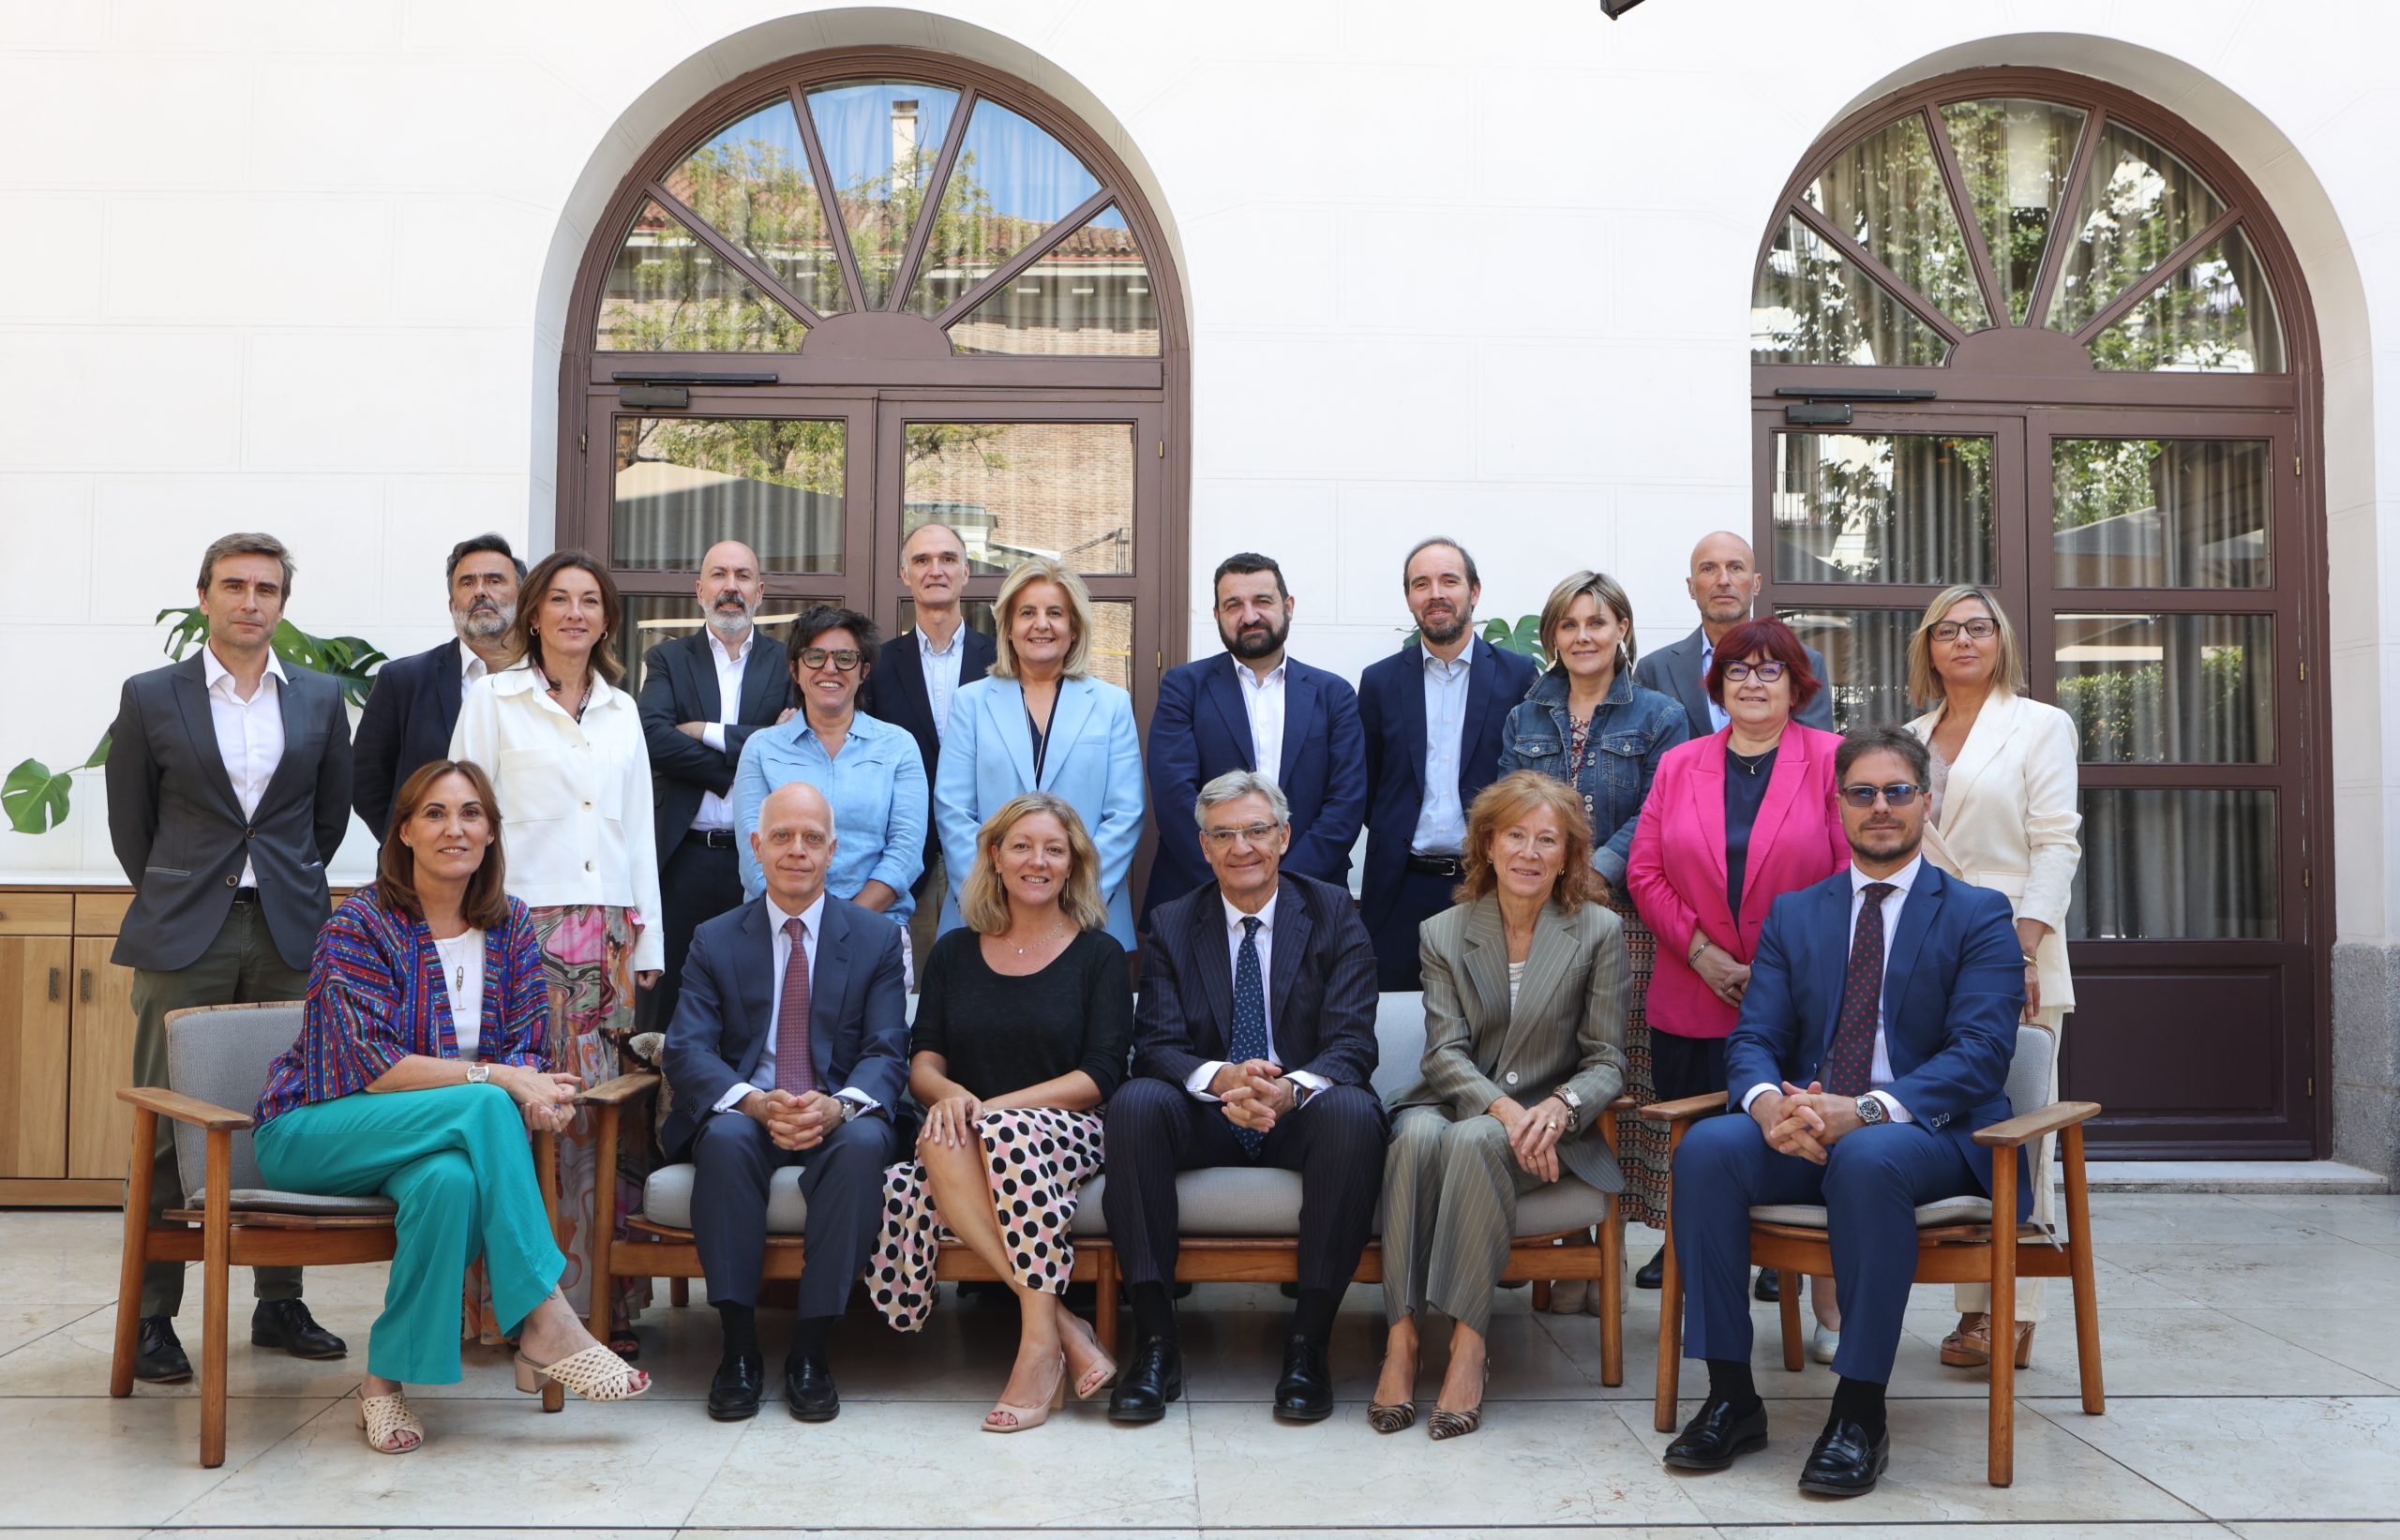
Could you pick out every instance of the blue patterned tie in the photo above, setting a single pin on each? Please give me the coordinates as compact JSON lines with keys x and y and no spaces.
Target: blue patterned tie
{"x":1250,"y":1018}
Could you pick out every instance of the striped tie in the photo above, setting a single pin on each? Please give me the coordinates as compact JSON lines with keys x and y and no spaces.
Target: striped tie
{"x":795,"y":1071}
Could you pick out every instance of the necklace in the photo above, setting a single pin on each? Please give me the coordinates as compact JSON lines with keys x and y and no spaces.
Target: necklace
{"x":1750,"y":762}
{"x":1051,"y":934}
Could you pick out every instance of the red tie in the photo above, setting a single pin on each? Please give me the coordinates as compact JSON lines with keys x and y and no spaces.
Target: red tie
{"x":795,"y":1071}
{"x":1850,"y":1063}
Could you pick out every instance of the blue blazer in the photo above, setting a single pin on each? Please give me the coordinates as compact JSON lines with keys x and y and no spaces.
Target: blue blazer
{"x":1094,"y":761}
{"x":895,"y":692}
{"x":1392,"y":716}
{"x":1954,"y":985}
{"x":857,"y":1011}
{"x":407,"y":725}
{"x":1201,"y":729}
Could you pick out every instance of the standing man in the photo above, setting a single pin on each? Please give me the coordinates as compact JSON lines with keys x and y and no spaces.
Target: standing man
{"x":1723,"y":584}
{"x":1432,"y":714}
{"x":1257,"y":709}
{"x":228,"y":792}
{"x":414,"y":705}
{"x":917,"y":678}
{"x":702,"y":697}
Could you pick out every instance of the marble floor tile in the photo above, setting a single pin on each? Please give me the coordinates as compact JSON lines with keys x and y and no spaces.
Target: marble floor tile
{"x":1937,"y":1473}
{"x":2255,"y":1457}
{"x":2158,"y":1353}
{"x":2340,"y":1275}
{"x":2310,"y":1529}
{"x":282,"y":1532}
{"x":135,"y":1462}
{"x":22,"y":1324}
{"x":74,"y":1361}
{"x":1235,"y":1355}
{"x":2367,"y":1341}
{"x":60,"y":1258}
{"x":2210,"y":1219}
{"x":2170,"y":1531}
{"x":2373,"y":1219}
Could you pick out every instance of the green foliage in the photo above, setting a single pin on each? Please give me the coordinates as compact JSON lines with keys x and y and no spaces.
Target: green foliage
{"x":35,"y":798}
{"x":1524,"y":637}
{"x":2122,"y":715}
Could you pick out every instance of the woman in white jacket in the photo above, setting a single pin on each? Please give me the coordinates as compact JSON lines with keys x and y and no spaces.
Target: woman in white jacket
{"x":2004,"y":815}
{"x":563,"y":747}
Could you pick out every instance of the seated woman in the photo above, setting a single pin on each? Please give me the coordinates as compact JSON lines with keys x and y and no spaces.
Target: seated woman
{"x":1023,"y":1026}
{"x":417,"y":1072}
{"x":1525,"y":983}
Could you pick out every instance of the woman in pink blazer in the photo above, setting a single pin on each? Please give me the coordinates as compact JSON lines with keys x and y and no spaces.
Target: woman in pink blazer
{"x":1733,"y":820}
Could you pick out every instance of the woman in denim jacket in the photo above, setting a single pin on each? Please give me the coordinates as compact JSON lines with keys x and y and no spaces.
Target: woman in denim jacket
{"x":1587,"y":724}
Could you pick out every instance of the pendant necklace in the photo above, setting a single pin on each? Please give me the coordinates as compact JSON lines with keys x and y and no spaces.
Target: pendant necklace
{"x":1749,"y":763}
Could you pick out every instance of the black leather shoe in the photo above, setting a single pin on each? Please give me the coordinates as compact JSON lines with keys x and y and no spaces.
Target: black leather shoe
{"x":1145,"y":1386}
{"x":286,"y":1323}
{"x":1768,"y":1290}
{"x":158,"y":1357}
{"x":1844,"y":1463}
{"x":1305,"y":1393}
{"x":808,"y":1390}
{"x":1715,"y":1437}
{"x":733,"y":1394}
{"x":1652,"y":1274}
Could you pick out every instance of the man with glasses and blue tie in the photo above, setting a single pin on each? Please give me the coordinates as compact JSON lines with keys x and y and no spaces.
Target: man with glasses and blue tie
{"x":1875,"y":1037}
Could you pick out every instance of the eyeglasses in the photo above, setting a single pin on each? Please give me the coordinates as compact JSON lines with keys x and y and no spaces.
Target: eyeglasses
{"x":1898,"y":794}
{"x":1248,"y":835}
{"x":1766,"y":673}
{"x":1975,"y":630}
{"x":845,"y":659}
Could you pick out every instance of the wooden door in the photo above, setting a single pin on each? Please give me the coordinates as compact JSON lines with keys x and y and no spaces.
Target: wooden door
{"x":98,"y":1125}
{"x":33,"y":1056}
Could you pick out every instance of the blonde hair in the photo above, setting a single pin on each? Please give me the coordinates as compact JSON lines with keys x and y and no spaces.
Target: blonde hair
{"x":1925,"y":684}
{"x":1602,"y":590}
{"x":1040,"y":569}
{"x":1510,"y":799}
{"x":983,"y":901}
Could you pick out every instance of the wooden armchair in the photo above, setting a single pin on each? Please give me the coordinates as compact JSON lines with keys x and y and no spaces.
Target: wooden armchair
{"x":1956,"y":1243}
{"x":217,"y":1060}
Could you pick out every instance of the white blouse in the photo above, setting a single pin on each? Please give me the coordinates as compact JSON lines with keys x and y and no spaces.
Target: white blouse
{"x":462,"y":976}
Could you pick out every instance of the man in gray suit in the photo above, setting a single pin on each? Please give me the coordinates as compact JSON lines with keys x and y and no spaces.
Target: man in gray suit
{"x":229,"y":791}
{"x":1724,"y":584}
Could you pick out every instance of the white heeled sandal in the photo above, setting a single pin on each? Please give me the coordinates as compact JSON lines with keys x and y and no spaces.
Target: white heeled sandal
{"x":391,"y":1427}
{"x":595,"y":1374}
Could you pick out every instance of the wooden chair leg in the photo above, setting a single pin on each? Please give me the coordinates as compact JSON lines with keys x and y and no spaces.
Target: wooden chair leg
{"x":1670,"y":1313}
{"x":2079,"y":1252}
{"x":545,"y":1169}
{"x":679,"y":1292}
{"x":2002,"y":1454}
{"x":604,"y":1222}
{"x":136,"y":1253}
{"x":1788,"y":1296}
{"x":216,"y":1240}
{"x":1611,"y":1300}
{"x":1541,"y":1293}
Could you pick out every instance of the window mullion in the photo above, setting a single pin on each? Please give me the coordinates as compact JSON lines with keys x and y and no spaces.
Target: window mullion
{"x":1076,"y":218}
{"x":830,"y":197}
{"x":2037,"y":309}
{"x":1867,"y":262}
{"x":1970,"y":225}
{"x":904,"y":281}
{"x":2168,"y":266}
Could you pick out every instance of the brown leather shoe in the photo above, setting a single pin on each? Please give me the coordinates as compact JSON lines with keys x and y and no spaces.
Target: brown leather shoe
{"x":1969,"y":1346}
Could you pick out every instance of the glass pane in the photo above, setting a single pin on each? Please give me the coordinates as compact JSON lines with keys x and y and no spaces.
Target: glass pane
{"x":2217,"y":316}
{"x":2175,"y":864}
{"x":1883,"y":508}
{"x":1111,"y":633}
{"x":668,"y":293}
{"x":880,"y":139}
{"x":1063,"y":491}
{"x":1088,"y":296}
{"x":1814,"y":306}
{"x":1867,"y":660}
{"x":2162,"y":513}
{"x":2169,"y":689}
{"x":750,"y":183}
{"x":1886,"y":191}
{"x":2016,"y":156}
{"x":1013,"y":182}
{"x":662,"y":618}
{"x":2138,"y":204}
{"x":685,"y":483}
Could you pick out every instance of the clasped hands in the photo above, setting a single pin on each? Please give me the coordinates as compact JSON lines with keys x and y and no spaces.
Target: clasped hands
{"x":1255,"y":1093}
{"x":795,"y":1121}
{"x":1804,"y":1123}
{"x":544,"y":1096}
{"x":1534,"y":1133}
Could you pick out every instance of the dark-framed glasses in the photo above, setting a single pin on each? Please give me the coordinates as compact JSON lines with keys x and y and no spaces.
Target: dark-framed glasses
{"x":1223,"y":839}
{"x":844,"y":658}
{"x":1765,"y":673}
{"x":1895,"y":794}
{"x":1979,"y":629}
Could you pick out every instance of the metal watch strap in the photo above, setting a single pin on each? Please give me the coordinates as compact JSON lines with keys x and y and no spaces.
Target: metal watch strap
{"x":1880,"y":1113}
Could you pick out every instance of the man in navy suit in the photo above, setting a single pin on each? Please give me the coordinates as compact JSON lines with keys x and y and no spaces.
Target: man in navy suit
{"x":414,"y":705}
{"x":1432,"y":715}
{"x":789,"y":1047}
{"x":1255,"y":709}
{"x":1891,"y":992}
{"x":913,"y":681}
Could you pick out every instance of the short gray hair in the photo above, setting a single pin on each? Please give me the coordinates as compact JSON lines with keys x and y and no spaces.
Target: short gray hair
{"x":1234,"y":785}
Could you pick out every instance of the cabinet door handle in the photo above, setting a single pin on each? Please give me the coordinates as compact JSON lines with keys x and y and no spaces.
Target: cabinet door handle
{"x":84,"y":985}
{"x":53,"y":983}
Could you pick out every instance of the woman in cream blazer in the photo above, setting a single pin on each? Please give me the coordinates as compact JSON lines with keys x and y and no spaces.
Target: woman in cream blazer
{"x":2004,"y":815}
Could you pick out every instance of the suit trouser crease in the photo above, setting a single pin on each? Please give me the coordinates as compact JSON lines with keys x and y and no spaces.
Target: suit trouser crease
{"x":2032,"y":1294}
{"x":239,"y":966}
{"x":458,"y":1163}
{"x":695,"y":884}
{"x":1416,"y":897}
{"x":1450,"y":1213}
{"x":734,"y":1161}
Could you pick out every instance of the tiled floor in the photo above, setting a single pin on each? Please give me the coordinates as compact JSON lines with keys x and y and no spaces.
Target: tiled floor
{"x":2253,"y":1361}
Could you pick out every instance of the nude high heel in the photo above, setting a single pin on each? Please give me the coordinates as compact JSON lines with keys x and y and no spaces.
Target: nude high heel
{"x":1100,"y":1376}
{"x":390,"y":1427}
{"x":1030,"y":1416}
{"x":595,"y":1374}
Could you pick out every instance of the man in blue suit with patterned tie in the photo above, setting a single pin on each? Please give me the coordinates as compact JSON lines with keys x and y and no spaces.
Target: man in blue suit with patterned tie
{"x":1875,"y":1037}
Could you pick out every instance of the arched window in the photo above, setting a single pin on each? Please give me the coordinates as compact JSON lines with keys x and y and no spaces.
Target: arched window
{"x":855,"y":293}
{"x":2020,"y":329}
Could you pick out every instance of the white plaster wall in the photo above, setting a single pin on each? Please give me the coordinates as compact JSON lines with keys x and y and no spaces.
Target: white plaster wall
{"x":302,"y":266}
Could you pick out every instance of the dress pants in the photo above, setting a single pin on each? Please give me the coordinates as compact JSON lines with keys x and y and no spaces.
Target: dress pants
{"x":1157,"y":1129}
{"x":1870,"y":1186}
{"x":1420,"y":897}
{"x":1450,"y":1191}
{"x":457,"y":1161}
{"x":696,"y":885}
{"x":842,"y":1178}
{"x":240,"y":966}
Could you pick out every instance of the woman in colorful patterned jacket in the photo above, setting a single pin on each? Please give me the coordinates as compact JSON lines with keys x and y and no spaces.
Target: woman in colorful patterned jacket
{"x":418,"y":1069}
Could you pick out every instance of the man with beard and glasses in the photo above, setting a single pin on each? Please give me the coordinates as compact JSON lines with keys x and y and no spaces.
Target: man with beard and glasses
{"x":1432,"y":714}
{"x":1257,"y":709}
{"x":413,"y":708}
{"x":1723,"y":584}
{"x":702,"y":696}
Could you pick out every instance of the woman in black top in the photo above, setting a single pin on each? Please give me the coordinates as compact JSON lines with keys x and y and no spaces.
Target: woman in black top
{"x":1022,"y":1030}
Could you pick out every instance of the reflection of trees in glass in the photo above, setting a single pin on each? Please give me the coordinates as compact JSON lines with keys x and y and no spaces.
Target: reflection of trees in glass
{"x":2015,"y":155}
{"x":669,"y":292}
{"x":1886,"y":192}
{"x":2203,"y":320}
{"x":1883,"y":508}
{"x":2138,"y":204}
{"x":1813,"y":306}
{"x":752,"y":192}
{"x":2138,"y":715}
{"x":937,"y":450}
{"x":805,"y":455}
{"x":2093,"y":479}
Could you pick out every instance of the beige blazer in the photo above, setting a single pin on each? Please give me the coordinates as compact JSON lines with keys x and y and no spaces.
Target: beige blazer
{"x":2009,"y":820}
{"x":1568,"y":1027}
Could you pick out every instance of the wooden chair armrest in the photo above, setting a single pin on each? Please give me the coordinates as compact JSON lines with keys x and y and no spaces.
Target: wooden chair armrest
{"x":184,"y":1109}
{"x":1685,"y":1111}
{"x":1624,"y":1103}
{"x":2031,"y":1125}
{"x":617,"y":1092}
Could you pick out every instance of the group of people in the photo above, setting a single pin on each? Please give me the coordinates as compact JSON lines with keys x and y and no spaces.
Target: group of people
{"x":1608,"y":874}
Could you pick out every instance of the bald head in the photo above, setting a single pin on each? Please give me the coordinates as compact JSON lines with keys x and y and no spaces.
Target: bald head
{"x":729,"y":588}
{"x":1723,"y":582}
{"x":794,"y":844}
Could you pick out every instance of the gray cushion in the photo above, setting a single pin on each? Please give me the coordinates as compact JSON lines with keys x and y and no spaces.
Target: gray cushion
{"x":221,"y":1056}
{"x":666,"y":1199}
{"x":1399,"y":1043}
{"x":1941,"y":1211}
{"x":370,"y":1205}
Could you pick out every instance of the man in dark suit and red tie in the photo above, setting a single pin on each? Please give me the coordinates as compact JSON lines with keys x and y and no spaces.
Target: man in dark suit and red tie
{"x":1256,"y":707}
{"x":1875,"y":1037}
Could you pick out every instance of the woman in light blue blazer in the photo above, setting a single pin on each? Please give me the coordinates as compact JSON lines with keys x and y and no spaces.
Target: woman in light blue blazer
{"x":1040,"y":722}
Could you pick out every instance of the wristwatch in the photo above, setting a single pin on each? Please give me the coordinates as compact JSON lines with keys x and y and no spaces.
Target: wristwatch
{"x":1871,"y":1109}
{"x":850,"y":1108}
{"x":1574,"y":1105}
{"x":478,"y":1072}
{"x":1300,"y":1092}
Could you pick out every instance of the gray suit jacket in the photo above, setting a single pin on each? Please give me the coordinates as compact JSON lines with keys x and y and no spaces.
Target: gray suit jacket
{"x":1673,"y":671}
{"x":1568,"y":1027}
{"x":179,"y":831}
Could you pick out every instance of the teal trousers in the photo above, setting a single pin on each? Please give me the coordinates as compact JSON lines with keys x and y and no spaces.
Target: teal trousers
{"x":458,"y":1163}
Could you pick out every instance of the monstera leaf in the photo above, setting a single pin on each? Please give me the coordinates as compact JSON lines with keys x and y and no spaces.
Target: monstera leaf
{"x":35,"y":797}
{"x":1524,"y":636}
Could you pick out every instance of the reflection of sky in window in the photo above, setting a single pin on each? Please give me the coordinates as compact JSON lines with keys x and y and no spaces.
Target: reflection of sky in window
{"x":1026,"y":173}
{"x":854,"y":128}
{"x":775,"y":131}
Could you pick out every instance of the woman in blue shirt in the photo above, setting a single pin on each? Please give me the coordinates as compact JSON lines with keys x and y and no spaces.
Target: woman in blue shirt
{"x":868,"y":771}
